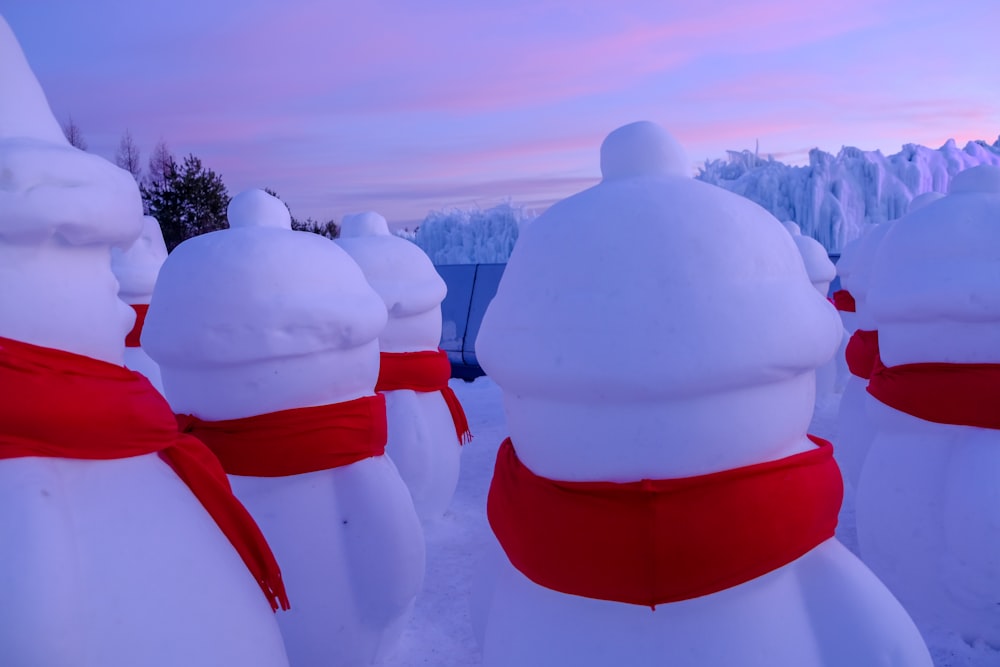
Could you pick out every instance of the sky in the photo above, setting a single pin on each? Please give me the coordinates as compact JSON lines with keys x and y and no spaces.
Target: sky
{"x":407,"y":107}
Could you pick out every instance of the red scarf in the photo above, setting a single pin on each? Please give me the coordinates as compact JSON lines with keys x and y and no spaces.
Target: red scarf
{"x":423,"y":371}
{"x":297,"y":441}
{"x":132,"y":338}
{"x":844,"y":300}
{"x":960,"y":394}
{"x":861,"y":353}
{"x":659,"y":541}
{"x":64,"y":405}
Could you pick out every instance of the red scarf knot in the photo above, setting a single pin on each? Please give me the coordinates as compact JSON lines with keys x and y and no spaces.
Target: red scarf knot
{"x":844,"y":301}
{"x":861,"y":353}
{"x":658,"y":541}
{"x":64,"y":405}
{"x":132,"y":338}
{"x":959,"y":394}
{"x":423,"y":371}
{"x":296,"y":441}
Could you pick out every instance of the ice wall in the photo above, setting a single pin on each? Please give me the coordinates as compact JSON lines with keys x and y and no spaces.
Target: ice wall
{"x":834,"y":198}
{"x":470,"y":236}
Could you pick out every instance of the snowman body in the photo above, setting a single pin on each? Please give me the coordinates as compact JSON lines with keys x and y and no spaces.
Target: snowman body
{"x":104,"y":563}
{"x":136,"y":269}
{"x":422,"y":439}
{"x":291,"y":323}
{"x":685,"y":401}
{"x":926,"y":514}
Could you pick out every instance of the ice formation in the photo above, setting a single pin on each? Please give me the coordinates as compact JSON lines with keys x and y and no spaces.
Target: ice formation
{"x":927,"y":513}
{"x":736,"y":330}
{"x":836,"y":198}
{"x":108,"y":562}
{"x":136,"y":269}
{"x":261,"y":329}
{"x":422,"y":435}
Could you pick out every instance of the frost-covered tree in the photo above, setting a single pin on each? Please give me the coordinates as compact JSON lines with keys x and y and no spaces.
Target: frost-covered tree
{"x":470,"y":237}
{"x":188,"y":200}
{"x":127,"y":156}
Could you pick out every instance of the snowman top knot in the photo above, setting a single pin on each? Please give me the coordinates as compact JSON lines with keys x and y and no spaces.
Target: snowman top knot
{"x":367,"y":223}
{"x":641,"y":149}
{"x":47,"y":186}
{"x":256,"y":208}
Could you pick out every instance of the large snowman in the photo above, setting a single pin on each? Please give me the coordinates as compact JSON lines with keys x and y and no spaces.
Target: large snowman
{"x":422,"y":411}
{"x":928,"y":514}
{"x":112,"y":544}
{"x":658,"y":500}
{"x":267,"y":340}
{"x":136,"y":269}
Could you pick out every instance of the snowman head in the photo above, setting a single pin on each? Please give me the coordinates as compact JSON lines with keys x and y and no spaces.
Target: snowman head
{"x":933,"y":292}
{"x":820,"y":269}
{"x":61,"y":212}
{"x":280,"y":316}
{"x":403,"y":276}
{"x":137,"y":267}
{"x":627,"y":309}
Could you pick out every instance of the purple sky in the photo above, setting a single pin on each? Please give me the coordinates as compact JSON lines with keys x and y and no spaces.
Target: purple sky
{"x":405,"y":107}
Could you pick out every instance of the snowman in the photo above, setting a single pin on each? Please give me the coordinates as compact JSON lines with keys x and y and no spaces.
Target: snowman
{"x":854,"y":430}
{"x":658,"y":500}
{"x":927,"y":512}
{"x":267,"y":341}
{"x":136,"y":269}
{"x":121,"y":543}
{"x":821,"y":272}
{"x":426,"y":422}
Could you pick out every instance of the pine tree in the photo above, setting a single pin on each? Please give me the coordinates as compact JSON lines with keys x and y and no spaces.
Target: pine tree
{"x":188,"y":200}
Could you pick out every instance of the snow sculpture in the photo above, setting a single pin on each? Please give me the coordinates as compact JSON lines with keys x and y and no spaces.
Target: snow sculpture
{"x":928,"y":520}
{"x":413,"y":376}
{"x":267,"y":341}
{"x":821,"y":272}
{"x":854,"y":430}
{"x":108,"y":557}
{"x":136,"y":270}
{"x":728,"y":328}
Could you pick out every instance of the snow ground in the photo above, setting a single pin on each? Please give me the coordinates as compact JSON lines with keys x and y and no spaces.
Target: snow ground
{"x":440,"y":631}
